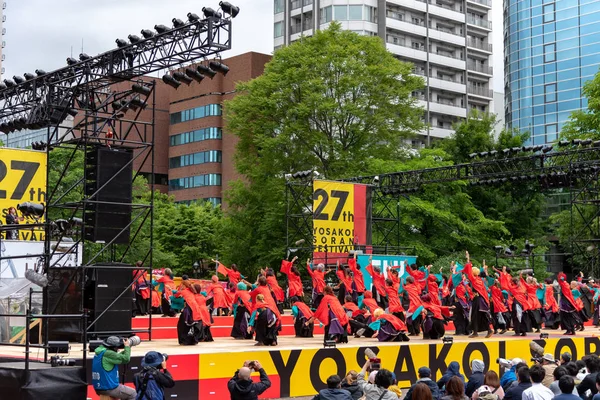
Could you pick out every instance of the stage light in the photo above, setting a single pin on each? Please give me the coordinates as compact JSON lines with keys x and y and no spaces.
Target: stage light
{"x":575,"y":142}
{"x":586,"y":142}
{"x":29,"y":76}
{"x":181,"y":77}
{"x":136,"y":103}
{"x":493,"y":153}
{"x":538,"y":147}
{"x":505,"y":151}
{"x":58,"y":347}
{"x":72,"y":61}
{"x":31,"y":209}
{"x":472,"y":155}
{"x":543,"y":336}
{"x":141,"y":89}
{"x":448,"y":340}
{"x":228,"y":8}
{"x":94,"y":344}
{"x":117,"y":105}
{"x":375,"y":180}
{"x":177,"y":23}
{"x":18,"y":79}
{"x":193,"y":17}
{"x":40,"y":72}
{"x":563,"y":143}
{"x":516,"y":149}
{"x":3,"y":86}
{"x":483,"y":154}
{"x":329,"y":344}
{"x":210,"y":13}
{"x":206,"y":71}
{"x":134,"y":39}
{"x":169,"y":80}
{"x":195,"y":75}
{"x":219,"y":67}
{"x":9,"y":83}
{"x":147,"y":33}
{"x":547,"y":149}
{"x":121,"y":43}
{"x":161,"y":28}
{"x":527,"y":148}
{"x":596,"y":143}
{"x":84,"y":57}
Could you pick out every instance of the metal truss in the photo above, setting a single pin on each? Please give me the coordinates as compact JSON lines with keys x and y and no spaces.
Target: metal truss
{"x":576,"y":168}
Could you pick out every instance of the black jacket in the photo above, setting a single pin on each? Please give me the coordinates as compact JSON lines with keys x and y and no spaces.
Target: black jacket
{"x":475,"y":382}
{"x":435,"y":390}
{"x":162,"y":377}
{"x":588,"y":383}
{"x":516,"y":392}
{"x":355,"y":390}
{"x":241,"y":389}
{"x":333,"y":394}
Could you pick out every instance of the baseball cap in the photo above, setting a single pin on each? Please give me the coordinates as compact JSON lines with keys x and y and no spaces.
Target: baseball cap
{"x":424,"y":371}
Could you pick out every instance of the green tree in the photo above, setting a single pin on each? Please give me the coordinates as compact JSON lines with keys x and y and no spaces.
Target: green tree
{"x":584,"y":124}
{"x":329,"y":102}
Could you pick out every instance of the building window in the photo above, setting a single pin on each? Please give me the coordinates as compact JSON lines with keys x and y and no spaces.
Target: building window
{"x":278,"y":30}
{"x":209,"y":110}
{"x":550,"y":52}
{"x":370,"y":14}
{"x":279,"y":6}
{"x":195,"y":181}
{"x":196,"y":136}
{"x":340,"y":13}
{"x":203,"y":157}
{"x":215,"y":201}
{"x":549,"y":15}
{"x":159,"y":179}
{"x":355,"y":13}
{"x":551,"y":132}
{"x":326,"y":15}
{"x":550,"y":93}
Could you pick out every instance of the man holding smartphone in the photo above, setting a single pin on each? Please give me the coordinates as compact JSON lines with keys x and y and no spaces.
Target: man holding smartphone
{"x":242,"y":387}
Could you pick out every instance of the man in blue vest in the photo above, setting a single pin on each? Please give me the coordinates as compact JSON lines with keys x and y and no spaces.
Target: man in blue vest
{"x":105,"y":369}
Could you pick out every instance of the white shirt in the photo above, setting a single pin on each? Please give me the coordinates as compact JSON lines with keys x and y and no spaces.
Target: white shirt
{"x":537,"y":391}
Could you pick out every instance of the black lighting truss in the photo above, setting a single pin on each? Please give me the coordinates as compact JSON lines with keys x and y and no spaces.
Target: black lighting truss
{"x":103,"y":95}
{"x":576,"y":168}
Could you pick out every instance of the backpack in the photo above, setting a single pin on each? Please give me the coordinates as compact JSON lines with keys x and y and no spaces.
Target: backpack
{"x":148,"y":388}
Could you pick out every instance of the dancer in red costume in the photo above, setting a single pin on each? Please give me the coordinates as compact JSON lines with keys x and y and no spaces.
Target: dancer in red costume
{"x":345,"y":286}
{"x":220,"y":302}
{"x":388,"y":328}
{"x":379,"y":293}
{"x":303,"y":327}
{"x":233,"y":274}
{"x":481,"y":319}
{"x":357,"y":277}
{"x":331,"y":314}
{"x":264,"y":322}
{"x":318,"y":282}
{"x":278,"y":293}
{"x":295,"y":289}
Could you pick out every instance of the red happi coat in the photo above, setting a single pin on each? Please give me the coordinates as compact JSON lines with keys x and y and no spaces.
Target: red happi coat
{"x":220,"y":298}
{"x":353,"y":308}
{"x":264,"y":290}
{"x":498,"y":299}
{"x":275,"y":288}
{"x":517,"y":291}
{"x":244,"y":297}
{"x":294,"y":281}
{"x":476,"y":282}
{"x":331,"y":302}
{"x":532,"y":299}
{"x":190,"y":300}
{"x":414,"y":296}
{"x":357,"y":275}
{"x":344,"y":280}
{"x":551,"y":303}
{"x":419,"y":277}
{"x":306,"y":311}
{"x":438,"y":311}
{"x":318,"y":279}
{"x":434,"y":289}
{"x":395,"y":305}
{"x":371,"y":304}
{"x":565,"y":290}
{"x":378,"y":280}
{"x":395,"y":321}
{"x":234,"y":276}
{"x":204,"y":313}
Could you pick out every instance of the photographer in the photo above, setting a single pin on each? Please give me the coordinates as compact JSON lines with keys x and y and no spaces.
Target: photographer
{"x":105,"y":368}
{"x":379,"y":389}
{"x":549,"y":365}
{"x":241,"y":386}
{"x":151,"y":381}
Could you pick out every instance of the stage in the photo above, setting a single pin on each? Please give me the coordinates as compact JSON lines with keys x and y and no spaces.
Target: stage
{"x":300,"y":367}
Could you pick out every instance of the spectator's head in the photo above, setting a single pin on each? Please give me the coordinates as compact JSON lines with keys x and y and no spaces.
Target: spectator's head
{"x":112,"y":343}
{"x":523,"y":375}
{"x":455,"y":388}
{"x":334,"y":382}
{"x":351,"y":377}
{"x":565,"y":358}
{"x":245,"y":373}
{"x":548,"y":359}
{"x":537,"y":373}
{"x":598,"y":381}
{"x":571,"y":368}
{"x":592,"y":363}
{"x":520,"y":365}
{"x":559,"y":372}
{"x":580,"y":365}
{"x":491,"y":379}
{"x":328,"y":290}
{"x":262,"y":280}
{"x":410,"y":279}
{"x":566,"y":384}
{"x":384,"y":378}
{"x":422,"y":392}
{"x":348,"y":298}
{"x":424,"y":372}
{"x":169,"y":273}
{"x":477,"y":366}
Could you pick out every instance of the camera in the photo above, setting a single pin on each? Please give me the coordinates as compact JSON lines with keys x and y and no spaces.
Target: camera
{"x":58,"y":361}
{"x":133,"y":341}
{"x":375,"y":361}
{"x":537,"y":359}
{"x":252,"y":364}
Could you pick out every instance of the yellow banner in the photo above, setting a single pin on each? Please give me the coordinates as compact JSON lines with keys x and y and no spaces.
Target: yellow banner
{"x":22,"y":179}
{"x":333,"y":217}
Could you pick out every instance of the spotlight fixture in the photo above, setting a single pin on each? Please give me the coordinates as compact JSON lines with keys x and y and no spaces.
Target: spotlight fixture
{"x":40,"y":72}
{"x":447,"y":340}
{"x":71,"y":61}
{"x":206,"y":71}
{"x":375,"y":180}
{"x":121,"y":43}
{"x":31,"y":209}
{"x":84,"y":57}
{"x":193,"y":17}
{"x":564,"y":143}
{"x":493,"y":153}
{"x":9,"y":83}
{"x":547,"y":149}
{"x":141,"y":89}
{"x":177,"y":23}
{"x":29,"y":76}
{"x":586,"y":142}
{"x":505,"y":151}
{"x":219,"y":67}
{"x":18,"y":79}
{"x":134,"y":39}
{"x":147,"y":33}
{"x":527,"y":148}
{"x":596,"y":143}
{"x":136,"y":102}
{"x":516,"y":149}
{"x":538,"y":147}
{"x":169,"y":80}
{"x":3,"y":86}
{"x":228,"y":8}
{"x":483,"y":154}
{"x":473,"y":155}
{"x":117,"y":105}
{"x":182,"y":77}
{"x":195,"y":75}
{"x":210,"y":13}
{"x":575,"y":142}
{"x":161,"y":28}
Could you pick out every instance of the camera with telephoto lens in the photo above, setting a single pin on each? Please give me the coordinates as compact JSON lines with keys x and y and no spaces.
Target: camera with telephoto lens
{"x":133,"y":341}
{"x":375,"y":361}
{"x":58,"y":361}
{"x":504,"y":362}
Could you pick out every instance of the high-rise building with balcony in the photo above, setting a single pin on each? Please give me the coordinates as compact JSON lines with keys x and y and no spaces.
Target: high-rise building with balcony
{"x":448,"y":41}
{"x":551,"y":48}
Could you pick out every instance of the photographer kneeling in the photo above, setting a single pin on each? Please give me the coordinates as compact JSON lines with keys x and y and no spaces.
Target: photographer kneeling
{"x":241,"y":386}
{"x":154,"y":378}
{"x":105,"y":368}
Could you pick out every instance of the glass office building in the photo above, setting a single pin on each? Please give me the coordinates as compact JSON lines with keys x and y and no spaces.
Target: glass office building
{"x":551,"y":48}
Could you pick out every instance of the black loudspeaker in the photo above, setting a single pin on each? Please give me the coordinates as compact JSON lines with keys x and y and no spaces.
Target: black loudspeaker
{"x":109,"y":174}
{"x":64,"y":297}
{"x":104,"y":285}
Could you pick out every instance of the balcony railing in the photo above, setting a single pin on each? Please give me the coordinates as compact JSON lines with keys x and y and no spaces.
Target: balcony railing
{"x":480,"y":91}
{"x":480,"y":68}
{"x":296,"y":28}
{"x":479,"y":45}
{"x":487,"y":3}
{"x":479,"y":22}
{"x":300,"y":3}
{"x":444,"y":102}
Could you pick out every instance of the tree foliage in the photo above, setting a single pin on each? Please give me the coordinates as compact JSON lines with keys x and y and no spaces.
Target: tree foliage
{"x":584,"y":124}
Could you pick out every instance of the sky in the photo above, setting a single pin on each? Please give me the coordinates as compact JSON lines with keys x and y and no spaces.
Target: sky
{"x":41,"y":34}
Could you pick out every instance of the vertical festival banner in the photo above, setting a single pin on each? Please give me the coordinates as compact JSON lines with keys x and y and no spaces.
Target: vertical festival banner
{"x":341,"y":219}
{"x":22,"y":179}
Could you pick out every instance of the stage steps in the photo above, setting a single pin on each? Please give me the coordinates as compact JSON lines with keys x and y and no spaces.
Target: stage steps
{"x":166,"y":327}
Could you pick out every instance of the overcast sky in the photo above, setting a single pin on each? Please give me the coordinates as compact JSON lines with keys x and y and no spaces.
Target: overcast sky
{"x":41,"y":33}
